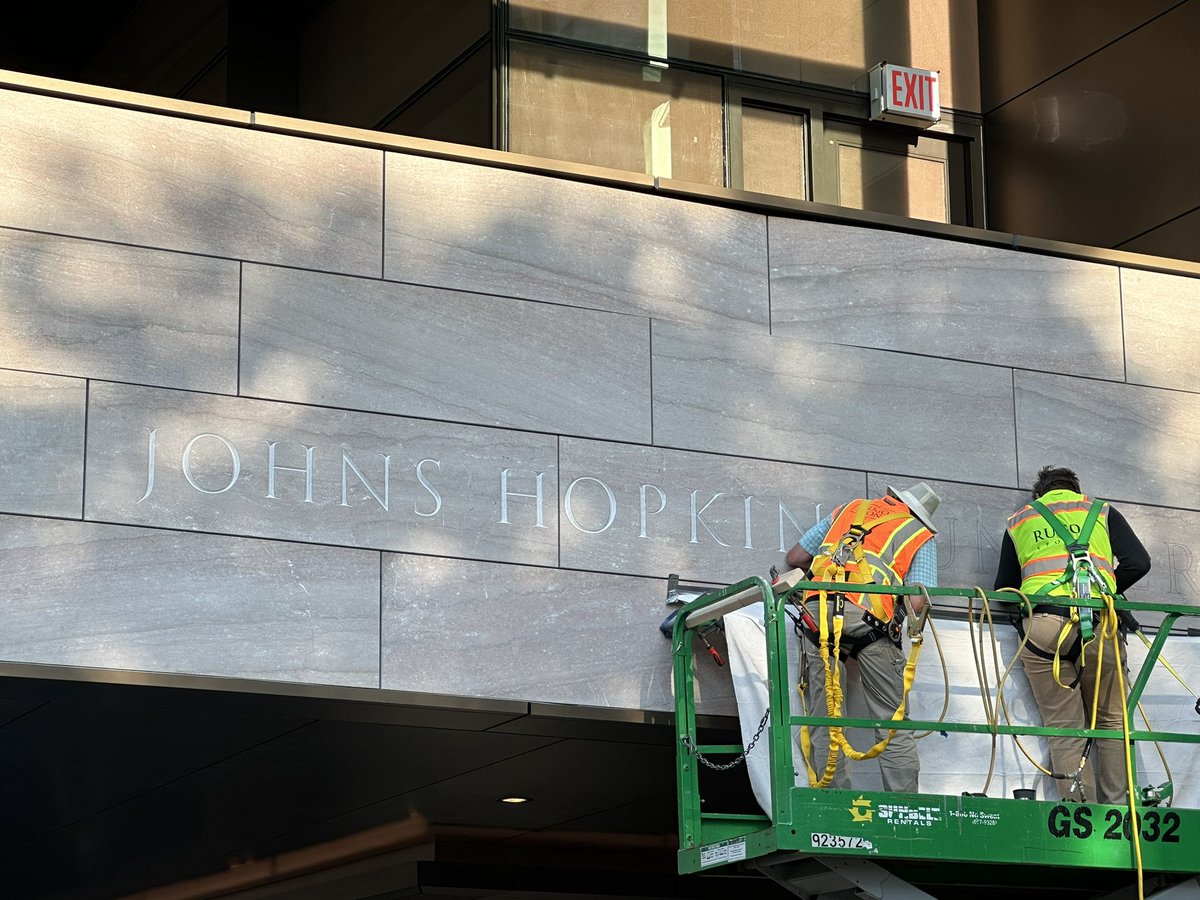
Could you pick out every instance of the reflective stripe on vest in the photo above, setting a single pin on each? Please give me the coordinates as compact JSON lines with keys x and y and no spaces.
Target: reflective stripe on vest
{"x":1042,"y":554}
{"x":888,"y":547}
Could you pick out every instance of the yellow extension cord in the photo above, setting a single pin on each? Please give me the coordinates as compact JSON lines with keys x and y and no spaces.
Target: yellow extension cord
{"x":1109,"y":631}
{"x":1016,"y":738}
{"x":1134,"y":826}
{"x":991,"y":707}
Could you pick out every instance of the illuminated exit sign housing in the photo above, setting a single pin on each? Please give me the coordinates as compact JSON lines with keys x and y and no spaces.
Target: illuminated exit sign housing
{"x":905,"y":96}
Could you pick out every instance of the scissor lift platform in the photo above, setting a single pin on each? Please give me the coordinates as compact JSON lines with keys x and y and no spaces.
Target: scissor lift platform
{"x":846,"y":843}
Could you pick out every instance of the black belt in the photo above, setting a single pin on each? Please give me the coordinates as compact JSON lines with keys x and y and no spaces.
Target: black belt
{"x":853,"y":646}
{"x":1072,"y":652}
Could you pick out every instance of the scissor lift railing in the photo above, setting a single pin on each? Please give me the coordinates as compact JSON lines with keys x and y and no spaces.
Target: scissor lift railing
{"x":878,"y":825}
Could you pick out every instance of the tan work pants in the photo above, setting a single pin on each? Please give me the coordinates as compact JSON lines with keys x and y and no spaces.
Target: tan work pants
{"x":881,"y":672}
{"x":1103,"y":779}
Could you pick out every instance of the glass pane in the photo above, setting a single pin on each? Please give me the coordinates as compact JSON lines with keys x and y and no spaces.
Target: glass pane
{"x":608,"y":23}
{"x":817,"y":41}
{"x":773,"y":152}
{"x":624,"y":115}
{"x":348,"y":71}
{"x":892,"y":183}
{"x":458,"y":108}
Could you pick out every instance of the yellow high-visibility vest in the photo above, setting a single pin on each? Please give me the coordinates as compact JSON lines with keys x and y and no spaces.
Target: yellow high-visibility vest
{"x":1042,"y":553}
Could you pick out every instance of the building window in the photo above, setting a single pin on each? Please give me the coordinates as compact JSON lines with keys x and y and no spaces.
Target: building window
{"x":773,"y":140}
{"x":921,"y":175}
{"x":623,"y":114}
{"x":697,"y":97}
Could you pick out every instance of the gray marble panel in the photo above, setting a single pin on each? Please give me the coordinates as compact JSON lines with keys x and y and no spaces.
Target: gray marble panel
{"x":525,"y":235}
{"x":768,"y":397}
{"x":82,"y":594}
{"x":364,"y":344}
{"x":540,"y":635}
{"x":1162,"y":328}
{"x":444,"y":490}
{"x":1175,"y":561}
{"x":135,"y":177}
{"x":1130,"y":443}
{"x":41,"y":444}
{"x":710,"y":518}
{"x":970,"y":520}
{"x":119,"y":313}
{"x":944,"y":298}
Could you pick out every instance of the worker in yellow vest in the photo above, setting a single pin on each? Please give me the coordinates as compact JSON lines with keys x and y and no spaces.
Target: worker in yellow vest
{"x":1062,"y":545}
{"x":892,"y":540}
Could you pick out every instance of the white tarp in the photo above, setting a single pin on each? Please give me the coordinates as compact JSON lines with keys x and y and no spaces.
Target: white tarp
{"x":959,"y":762}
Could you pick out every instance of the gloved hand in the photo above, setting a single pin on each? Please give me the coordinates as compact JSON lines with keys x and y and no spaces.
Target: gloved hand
{"x":668,"y":624}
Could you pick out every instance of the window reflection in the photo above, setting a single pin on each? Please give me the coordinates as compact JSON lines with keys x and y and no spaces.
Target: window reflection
{"x":886,"y":182}
{"x":590,"y":109}
{"x":816,"y":41}
{"x":643,"y":85}
{"x":773,"y":145}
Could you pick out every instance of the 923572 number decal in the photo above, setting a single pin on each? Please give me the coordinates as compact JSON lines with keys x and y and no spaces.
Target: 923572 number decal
{"x":840,"y":841}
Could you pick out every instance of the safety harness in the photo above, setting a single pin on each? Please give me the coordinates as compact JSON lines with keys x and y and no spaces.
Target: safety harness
{"x":846,"y":563}
{"x":1081,"y":575}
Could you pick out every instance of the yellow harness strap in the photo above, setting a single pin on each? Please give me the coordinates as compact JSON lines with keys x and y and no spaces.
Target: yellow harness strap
{"x":1086,"y":638}
{"x":1062,"y":637}
{"x":827,"y":568}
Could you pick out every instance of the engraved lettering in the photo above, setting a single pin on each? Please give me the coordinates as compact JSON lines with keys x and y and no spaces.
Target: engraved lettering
{"x":697,"y":518}
{"x":272,"y":468}
{"x":347,"y":462}
{"x":151,"y":446}
{"x":433,"y":492}
{"x":570,"y":514}
{"x":947,"y":544}
{"x":785,"y":513}
{"x":749,"y":544}
{"x":988,"y":541}
{"x":1179,"y":566}
{"x":186,"y":462}
{"x":505,"y":493}
{"x":662,"y":505}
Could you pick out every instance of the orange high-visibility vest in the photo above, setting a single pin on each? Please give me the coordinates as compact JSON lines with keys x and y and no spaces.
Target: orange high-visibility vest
{"x":889,"y":546}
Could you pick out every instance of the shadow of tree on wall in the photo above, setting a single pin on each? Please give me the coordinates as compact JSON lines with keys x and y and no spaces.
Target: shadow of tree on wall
{"x":653,"y":275}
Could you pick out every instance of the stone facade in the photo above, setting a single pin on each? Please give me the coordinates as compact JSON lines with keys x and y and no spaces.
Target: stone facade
{"x":287,"y":409}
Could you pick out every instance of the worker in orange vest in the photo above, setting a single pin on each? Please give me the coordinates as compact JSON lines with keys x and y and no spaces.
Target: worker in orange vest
{"x":889,"y":540}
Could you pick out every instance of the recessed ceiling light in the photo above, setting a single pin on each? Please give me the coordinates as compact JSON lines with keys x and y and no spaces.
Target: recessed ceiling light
{"x":513,"y":799}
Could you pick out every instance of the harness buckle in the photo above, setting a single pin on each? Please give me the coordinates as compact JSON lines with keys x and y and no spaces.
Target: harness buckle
{"x":1083,"y":571}
{"x":916,"y":623}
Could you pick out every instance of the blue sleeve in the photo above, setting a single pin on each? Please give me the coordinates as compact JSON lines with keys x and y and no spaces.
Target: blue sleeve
{"x":813,"y":538}
{"x":924,"y":565}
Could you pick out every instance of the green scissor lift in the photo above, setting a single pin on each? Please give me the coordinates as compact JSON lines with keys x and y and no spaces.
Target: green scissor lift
{"x":839,"y":843}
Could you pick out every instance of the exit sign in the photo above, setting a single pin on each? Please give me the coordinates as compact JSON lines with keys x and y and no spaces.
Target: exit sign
{"x":905,"y":96}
